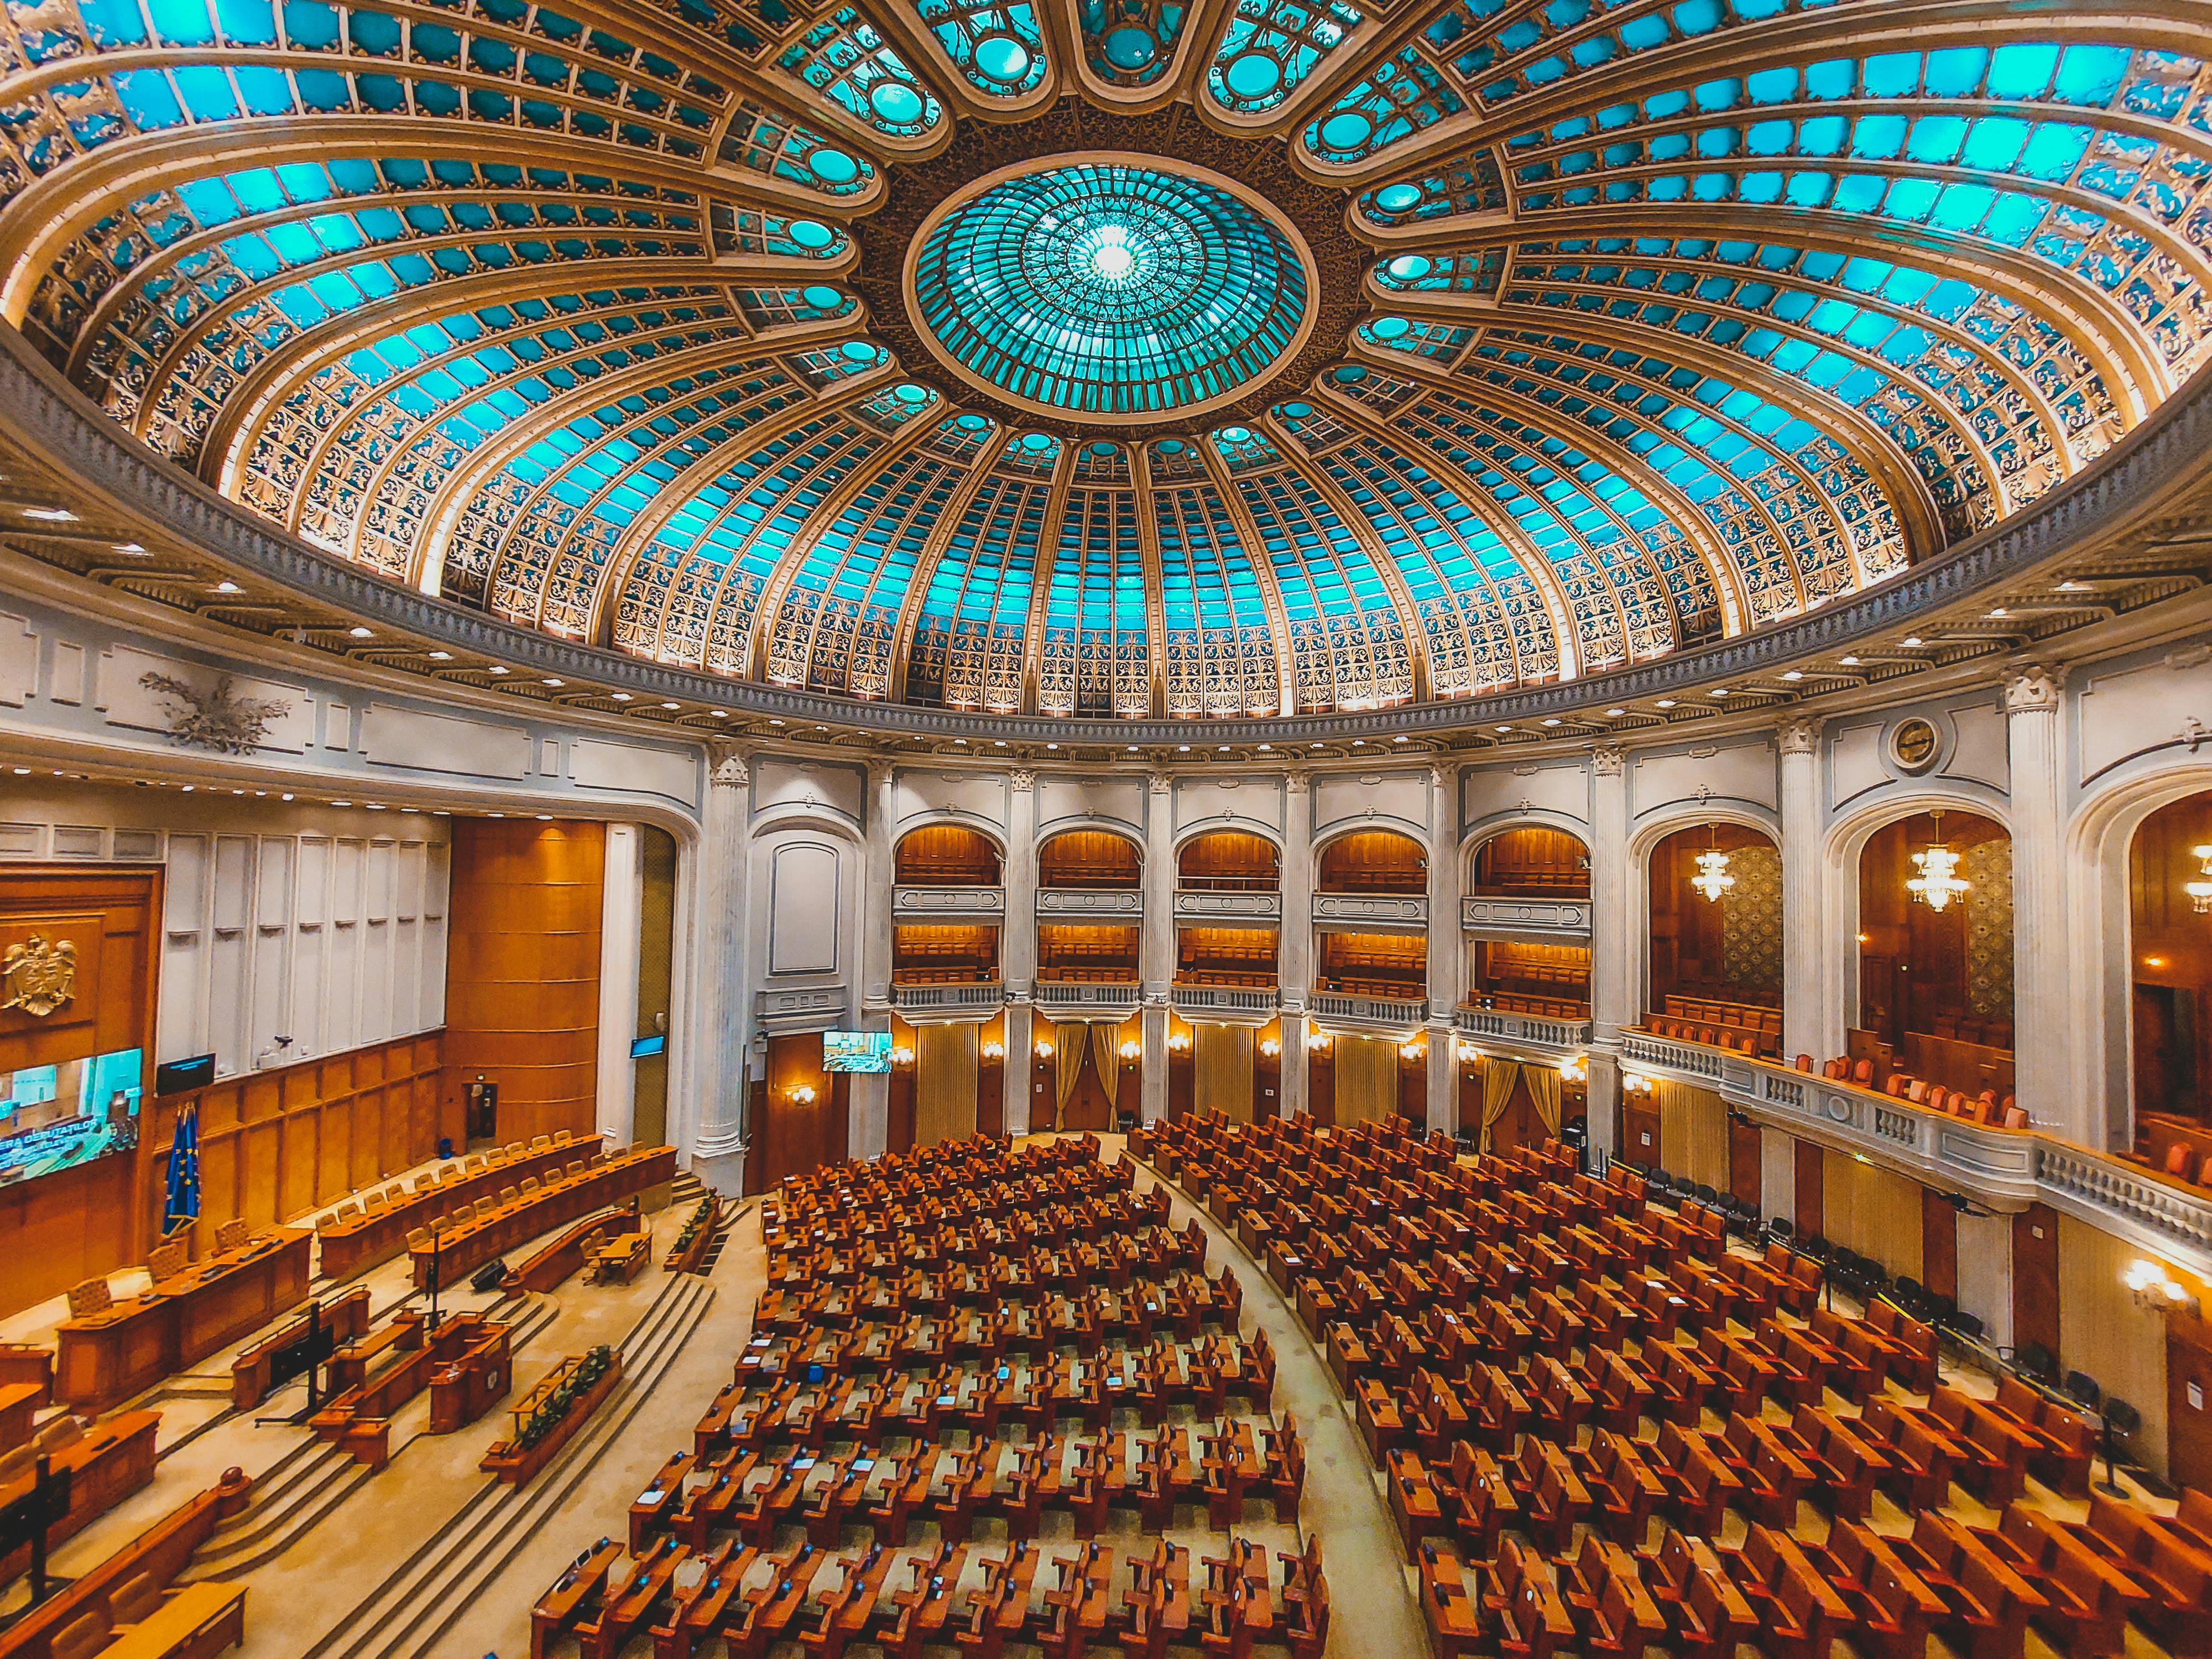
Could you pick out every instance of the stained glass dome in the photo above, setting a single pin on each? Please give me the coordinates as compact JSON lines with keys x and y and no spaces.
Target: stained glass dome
{"x":1114,"y":288}
{"x":1132,"y":358}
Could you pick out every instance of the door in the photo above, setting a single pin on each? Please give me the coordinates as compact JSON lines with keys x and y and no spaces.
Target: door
{"x":483,"y":1111}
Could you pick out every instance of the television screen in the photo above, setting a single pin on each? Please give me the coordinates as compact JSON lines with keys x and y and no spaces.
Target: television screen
{"x":642,"y":1047}
{"x":56,"y":1117}
{"x":856,"y":1051}
{"x":178,"y":1076}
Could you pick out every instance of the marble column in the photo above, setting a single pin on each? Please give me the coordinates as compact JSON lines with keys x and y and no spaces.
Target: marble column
{"x":1294,"y":943}
{"x":1612,"y":968}
{"x":1447,"y":953}
{"x":1018,"y":947}
{"x":717,"y":1065}
{"x":1293,"y":1095}
{"x":1158,"y":943}
{"x":2043,"y":1012}
{"x":868,"y":1101}
{"x":1805,"y":1010}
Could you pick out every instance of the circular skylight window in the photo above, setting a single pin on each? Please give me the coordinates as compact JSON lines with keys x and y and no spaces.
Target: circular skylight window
{"x":1110,"y":287}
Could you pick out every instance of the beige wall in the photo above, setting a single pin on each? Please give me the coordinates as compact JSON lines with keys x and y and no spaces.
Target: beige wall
{"x":2102,"y":1332}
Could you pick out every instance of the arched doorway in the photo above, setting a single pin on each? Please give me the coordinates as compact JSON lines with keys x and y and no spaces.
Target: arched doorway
{"x":2170,"y":982}
{"x":1715,"y":932}
{"x":1935,"y":951}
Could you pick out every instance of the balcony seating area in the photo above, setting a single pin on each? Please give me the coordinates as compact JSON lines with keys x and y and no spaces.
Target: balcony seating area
{"x":1087,"y":956}
{"x":1110,"y":973}
{"x":1582,"y":1395}
{"x":944,"y":956}
{"x":1350,"y":985}
{"x":1748,"y":1028}
{"x":1998,"y":1111}
{"x":1506,"y":1002}
{"x":1224,"y":976}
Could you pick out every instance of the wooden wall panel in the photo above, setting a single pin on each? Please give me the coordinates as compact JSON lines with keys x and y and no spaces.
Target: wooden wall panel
{"x":1812,"y":1188}
{"x":2035,"y":1277}
{"x":2102,"y":1332}
{"x":64,"y":1228}
{"x":522,"y":985}
{"x":1939,"y":1243}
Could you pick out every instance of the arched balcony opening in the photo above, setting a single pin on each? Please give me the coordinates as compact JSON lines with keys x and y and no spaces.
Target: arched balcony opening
{"x":1229,"y":861}
{"x":2170,"y":986}
{"x":1716,"y":963}
{"x":946,"y":855}
{"x":1084,"y":953}
{"x":1236,"y":957}
{"x":1391,"y":965}
{"x":951,"y":953}
{"x":1373,"y":861}
{"x":1936,"y":954}
{"x":1089,"y":860}
{"x":1528,"y":976}
{"x":1533,"y":861}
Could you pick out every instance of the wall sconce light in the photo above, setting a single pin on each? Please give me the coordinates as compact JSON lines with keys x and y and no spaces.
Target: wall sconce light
{"x":2157,"y":1290}
{"x":1179,"y":1043}
{"x":1132,"y":1051}
{"x":1411,"y":1050}
{"x":1317,"y":1041}
{"x":1469,"y":1054}
{"x":901,"y":1056}
{"x":1044,"y":1050}
{"x":2200,"y":891}
{"x":802,"y":1095}
{"x":1574,"y":1068}
{"x":1270,"y":1048}
{"x":1635,"y":1082}
{"x":994,"y":1050}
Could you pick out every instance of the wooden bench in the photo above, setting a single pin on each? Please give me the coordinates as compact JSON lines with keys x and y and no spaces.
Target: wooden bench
{"x":345,"y":1317}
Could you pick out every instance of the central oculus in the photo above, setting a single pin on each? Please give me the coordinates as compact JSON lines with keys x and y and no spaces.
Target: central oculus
{"x":1113,"y":288}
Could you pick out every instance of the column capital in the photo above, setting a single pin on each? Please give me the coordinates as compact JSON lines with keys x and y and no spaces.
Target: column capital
{"x":1159,"y":783}
{"x":1799,"y":735}
{"x":1296,"y":782}
{"x":879,"y":772}
{"x":1607,"y":760}
{"x":730,"y":771}
{"x":2031,"y":687}
{"x":1022,"y":779}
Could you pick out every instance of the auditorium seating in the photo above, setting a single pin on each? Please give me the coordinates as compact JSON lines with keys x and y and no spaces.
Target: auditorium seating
{"x":1574,"y":1388}
{"x":960,"y":1340}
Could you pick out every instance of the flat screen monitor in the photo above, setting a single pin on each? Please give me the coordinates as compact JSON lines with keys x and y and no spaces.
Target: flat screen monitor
{"x":639,"y":1048}
{"x":59,"y":1116}
{"x":856,"y":1051}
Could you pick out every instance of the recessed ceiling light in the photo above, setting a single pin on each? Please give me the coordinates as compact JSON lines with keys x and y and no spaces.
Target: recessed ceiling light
{"x":1913,"y":639}
{"x":721,"y":714}
{"x":672,"y":705}
{"x":998,"y":743}
{"x":23,"y":771}
{"x":1052,"y":745}
{"x":1720,"y":690}
{"x":1315,"y":744}
{"x":341,"y":803}
{"x":545,"y":817}
{"x":1398,"y":740}
{"x":775,"y":722}
{"x":1614,"y":713}
{"x":496,"y":669}
{"x":190,"y":788}
{"x":1549,"y":720}
{"x":374,"y":805}
{"x":621,"y":696}
{"x":228,"y":588}
{"x":1848,"y":662}
{"x":1267,"y":748}
{"x":441,"y":656}
{"x":288,"y":798}
{"x":1999,"y":614}
{"x":360,"y":633}
{"x":131,"y":548}
{"x":1359,"y":742}
{"x":1793,"y":675}
{"x":2070,"y":586}
{"x":1502,"y":729}
{"x":1182,"y":749}
{"x":50,"y":514}
{"x":550,"y":680}
{"x":1665,"y":702}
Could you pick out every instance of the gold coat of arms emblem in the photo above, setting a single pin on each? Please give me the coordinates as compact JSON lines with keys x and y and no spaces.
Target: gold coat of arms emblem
{"x":39,"y":975}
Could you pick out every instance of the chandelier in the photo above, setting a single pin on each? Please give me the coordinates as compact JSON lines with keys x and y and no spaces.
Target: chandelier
{"x":2200,"y":891}
{"x":1712,"y":878}
{"x":1938,"y":882}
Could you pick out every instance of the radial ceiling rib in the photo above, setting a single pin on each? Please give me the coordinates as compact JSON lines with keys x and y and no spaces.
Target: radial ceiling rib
{"x":941,"y":536}
{"x":2101,"y":328}
{"x":718,"y":465}
{"x":1567,"y":634}
{"x":1287,"y":671}
{"x":1138,"y":56}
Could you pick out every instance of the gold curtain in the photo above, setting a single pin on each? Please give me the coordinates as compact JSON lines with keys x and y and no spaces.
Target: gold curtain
{"x":1693,"y":1133}
{"x":945,"y":1076}
{"x":1873,"y":1211}
{"x":1544,"y":1090}
{"x":1106,"y":1055}
{"x":1221,"y":1070}
{"x":1366,"y":1079}
{"x":1069,"y":1039}
{"x":1499,"y":1077}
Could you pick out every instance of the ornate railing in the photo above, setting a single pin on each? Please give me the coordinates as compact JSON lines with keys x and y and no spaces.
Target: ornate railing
{"x":1236,"y":1003}
{"x":948,"y":999}
{"x":1198,"y":904}
{"x":1088,"y":902}
{"x":909,"y":903}
{"x":1386,"y":911}
{"x":2003,"y":1168}
{"x":1087,"y":998}
{"x":1526,"y":918}
{"x":1529,"y":1030}
{"x":1389,"y":1013}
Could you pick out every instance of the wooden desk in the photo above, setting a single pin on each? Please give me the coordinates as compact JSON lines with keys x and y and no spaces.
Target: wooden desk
{"x":19,"y":1401}
{"x":462,"y":1249}
{"x":197,"y":1622}
{"x":359,"y":1241}
{"x":107,"y":1357}
{"x":114,"y":1460}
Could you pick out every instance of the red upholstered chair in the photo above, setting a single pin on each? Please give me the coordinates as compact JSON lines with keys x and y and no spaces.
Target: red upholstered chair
{"x":1804,"y":1063}
{"x":1893,"y":1085}
{"x":2178,"y":1161}
{"x":2014,"y":1118}
{"x":1863,"y":1071}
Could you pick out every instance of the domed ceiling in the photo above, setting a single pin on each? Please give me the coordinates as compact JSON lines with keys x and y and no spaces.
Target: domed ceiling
{"x":1118,"y":357}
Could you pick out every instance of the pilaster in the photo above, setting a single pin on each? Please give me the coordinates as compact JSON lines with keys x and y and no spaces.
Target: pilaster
{"x":868,"y":1100}
{"x":1447,"y":953}
{"x":1294,"y":945}
{"x":2042,"y":1011}
{"x":1613,"y":991}
{"x":1805,"y":1010}
{"x":1018,"y":946}
{"x":1156,"y":942}
{"x":718,"y":1067}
